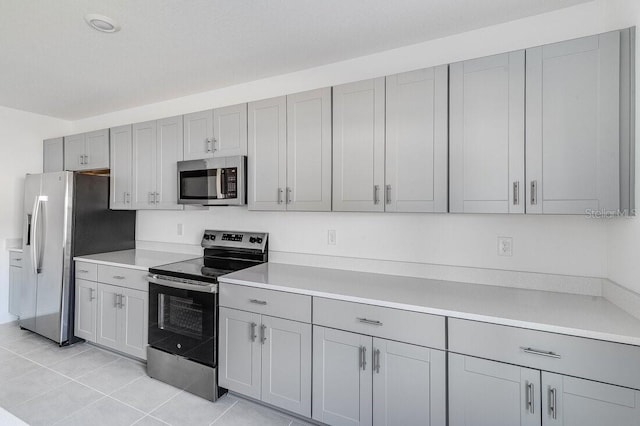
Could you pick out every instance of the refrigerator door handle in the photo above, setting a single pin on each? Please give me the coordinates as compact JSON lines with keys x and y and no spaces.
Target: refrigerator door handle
{"x":34,"y":233}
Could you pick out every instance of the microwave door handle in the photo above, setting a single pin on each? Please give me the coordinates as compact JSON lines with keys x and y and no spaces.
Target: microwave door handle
{"x":219,"y":183}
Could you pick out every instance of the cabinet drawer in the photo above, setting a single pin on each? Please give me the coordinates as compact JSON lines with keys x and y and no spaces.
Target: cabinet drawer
{"x":575,"y":356}
{"x":268,"y":302}
{"x":15,"y":259}
{"x":123,"y":277}
{"x":87,"y":271}
{"x":394,"y":324}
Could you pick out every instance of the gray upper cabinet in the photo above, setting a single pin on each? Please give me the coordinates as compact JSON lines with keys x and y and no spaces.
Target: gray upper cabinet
{"x":267,"y":159}
{"x":486,"y":150}
{"x":358,"y":145}
{"x":416,"y":174}
{"x":573,"y":125}
{"x":121,"y":168}
{"x":216,"y":133}
{"x":87,"y":151}
{"x":53,"y":155}
{"x":169,"y":150}
{"x":144,"y":165}
{"x":309,"y":151}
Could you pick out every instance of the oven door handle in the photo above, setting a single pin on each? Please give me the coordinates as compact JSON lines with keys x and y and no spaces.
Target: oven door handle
{"x":208,"y":288}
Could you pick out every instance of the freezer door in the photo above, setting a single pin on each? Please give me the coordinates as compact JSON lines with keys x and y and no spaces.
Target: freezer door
{"x":53,"y":226}
{"x":32,"y":186}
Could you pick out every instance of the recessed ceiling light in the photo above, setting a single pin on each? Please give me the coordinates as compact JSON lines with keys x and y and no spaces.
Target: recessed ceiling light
{"x":102,"y":23}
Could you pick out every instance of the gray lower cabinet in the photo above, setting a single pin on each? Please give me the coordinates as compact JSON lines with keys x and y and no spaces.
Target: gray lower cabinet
{"x":15,"y":282}
{"x":266,"y":358}
{"x":87,"y":151}
{"x":363,"y":380}
{"x":489,"y":393}
{"x":85,"y":309}
{"x":53,"y":155}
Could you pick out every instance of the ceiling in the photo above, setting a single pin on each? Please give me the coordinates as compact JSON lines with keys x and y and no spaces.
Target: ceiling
{"x":52,"y":63}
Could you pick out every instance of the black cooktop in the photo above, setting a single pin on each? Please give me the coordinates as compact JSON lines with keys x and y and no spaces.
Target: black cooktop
{"x":202,"y":268}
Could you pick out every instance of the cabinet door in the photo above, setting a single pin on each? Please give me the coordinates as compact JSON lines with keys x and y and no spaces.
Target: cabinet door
{"x":15,"y":282}
{"x":169,"y":152}
{"x":309,"y":151}
{"x":409,"y":385}
{"x":416,"y":173}
{"x":267,"y":154}
{"x":133,"y":322}
{"x":198,"y":135}
{"x":97,"y":150}
{"x":486,"y":138}
{"x":573,"y":127}
{"x":358,"y":141}
{"x":74,"y":152}
{"x":286,"y":365}
{"x":85,"y":309}
{"x":107,"y":318}
{"x":488,"y":393}
{"x":53,"y":155}
{"x":144,"y":166}
{"x":342,"y":379}
{"x":121,"y":168}
{"x":230,"y":130}
{"x":568,"y":401}
{"x":240,"y":352}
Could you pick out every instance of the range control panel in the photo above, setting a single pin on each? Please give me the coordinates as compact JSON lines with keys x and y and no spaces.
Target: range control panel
{"x":235,"y":239}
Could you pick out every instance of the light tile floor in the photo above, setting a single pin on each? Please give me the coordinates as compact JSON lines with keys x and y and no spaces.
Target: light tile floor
{"x":44,"y":384}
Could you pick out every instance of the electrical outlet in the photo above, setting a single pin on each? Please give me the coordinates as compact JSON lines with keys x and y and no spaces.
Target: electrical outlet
{"x":505,"y":246}
{"x":331,"y":237}
{"x":180,"y":229}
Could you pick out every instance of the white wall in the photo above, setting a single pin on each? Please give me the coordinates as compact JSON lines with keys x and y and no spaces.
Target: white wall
{"x":21,"y":135}
{"x":561,"y":245}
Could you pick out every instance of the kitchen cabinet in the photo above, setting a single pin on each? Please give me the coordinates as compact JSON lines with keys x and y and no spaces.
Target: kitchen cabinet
{"x":290,"y":152}
{"x":487,"y":119}
{"x":574,"y":125}
{"x":85,"y":309}
{"x":416,"y":152}
{"x":266,"y":358}
{"x":15,"y":282}
{"x":358,"y":145}
{"x":87,"y":151}
{"x":53,"y":155}
{"x":121,"y":165}
{"x":157,"y":147}
{"x":220,"y":132}
{"x":363,"y":380}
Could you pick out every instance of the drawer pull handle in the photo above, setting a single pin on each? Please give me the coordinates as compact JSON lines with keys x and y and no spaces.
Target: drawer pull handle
{"x":540,"y":353}
{"x":18,"y":259}
{"x":368,"y":321}
{"x":118,"y":277}
{"x":258,"y":302}
{"x":84,"y":271}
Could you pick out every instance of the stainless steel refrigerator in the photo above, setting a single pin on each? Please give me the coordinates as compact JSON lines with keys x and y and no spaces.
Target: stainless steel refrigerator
{"x":66,"y":214}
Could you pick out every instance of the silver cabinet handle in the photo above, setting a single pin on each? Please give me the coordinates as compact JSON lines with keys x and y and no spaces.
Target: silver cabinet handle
{"x":279,"y":195}
{"x":150,"y":198}
{"x":530,"y":396}
{"x":516,"y":193}
{"x":363,"y":358}
{"x":209,"y":145}
{"x":91,"y":294}
{"x":122,"y":299}
{"x":258,"y":302}
{"x":156,"y":197}
{"x":288,"y":195}
{"x":368,"y":321}
{"x":376,"y":190}
{"x":263,"y":334}
{"x":253,"y":332}
{"x":118,"y":277}
{"x":124,"y":197}
{"x":127,"y":197}
{"x":553,"y":403}
{"x":18,"y":259}
{"x":388,"y":194}
{"x":81,"y":159}
{"x":376,"y":361}
{"x":115,"y":300}
{"x":534,"y":192}
{"x":86,"y":159}
{"x":83,"y":271}
{"x":532,"y":351}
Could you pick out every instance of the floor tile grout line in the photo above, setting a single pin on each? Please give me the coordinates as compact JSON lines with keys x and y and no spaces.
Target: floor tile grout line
{"x":164,"y":403}
{"x":224,"y":412}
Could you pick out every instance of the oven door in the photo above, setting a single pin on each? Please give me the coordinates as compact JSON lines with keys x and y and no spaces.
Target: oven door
{"x":184,"y":322}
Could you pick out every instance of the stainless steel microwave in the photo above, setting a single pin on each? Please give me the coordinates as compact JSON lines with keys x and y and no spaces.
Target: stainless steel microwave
{"x":213,"y":181}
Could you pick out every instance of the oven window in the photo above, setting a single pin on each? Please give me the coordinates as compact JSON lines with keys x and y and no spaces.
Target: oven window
{"x":180,"y":315}
{"x":199,"y":184}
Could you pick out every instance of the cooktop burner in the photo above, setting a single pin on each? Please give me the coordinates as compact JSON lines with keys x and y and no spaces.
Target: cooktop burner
{"x":202,"y":268}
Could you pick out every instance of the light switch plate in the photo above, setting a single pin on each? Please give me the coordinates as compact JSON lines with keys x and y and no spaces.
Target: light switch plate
{"x":505,"y":246}
{"x":331,"y":237}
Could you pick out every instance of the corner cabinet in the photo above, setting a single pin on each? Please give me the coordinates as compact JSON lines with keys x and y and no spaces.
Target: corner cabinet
{"x":220,"y":132}
{"x":53,"y":155}
{"x":487,"y":124}
{"x":290,"y":152}
{"x":87,"y":151}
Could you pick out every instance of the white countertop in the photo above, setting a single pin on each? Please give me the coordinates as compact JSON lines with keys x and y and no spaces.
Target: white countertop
{"x":576,"y":315}
{"x":135,"y":259}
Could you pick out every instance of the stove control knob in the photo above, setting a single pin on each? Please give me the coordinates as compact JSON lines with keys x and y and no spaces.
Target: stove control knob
{"x":213,"y":237}
{"x":206,"y":236}
{"x":179,"y":346}
{"x":259,"y":240}
{"x":252,"y":240}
